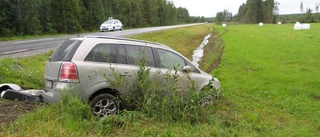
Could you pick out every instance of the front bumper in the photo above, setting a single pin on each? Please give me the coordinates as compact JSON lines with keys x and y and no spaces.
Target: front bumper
{"x":106,"y":28}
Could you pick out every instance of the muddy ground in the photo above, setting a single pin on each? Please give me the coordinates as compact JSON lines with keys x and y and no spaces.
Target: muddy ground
{"x":10,"y":110}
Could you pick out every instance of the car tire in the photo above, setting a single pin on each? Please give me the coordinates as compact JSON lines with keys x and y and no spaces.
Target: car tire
{"x":121,"y":28}
{"x":105,"y":104}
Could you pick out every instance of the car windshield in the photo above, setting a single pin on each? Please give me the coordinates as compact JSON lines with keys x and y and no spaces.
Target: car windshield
{"x":108,"y":22}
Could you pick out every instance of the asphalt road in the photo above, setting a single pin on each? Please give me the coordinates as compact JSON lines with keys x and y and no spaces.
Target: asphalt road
{"x":27,"y":45}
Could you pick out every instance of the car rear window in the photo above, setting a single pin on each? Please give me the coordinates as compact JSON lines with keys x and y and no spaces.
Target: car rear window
{"x":65,"y":51}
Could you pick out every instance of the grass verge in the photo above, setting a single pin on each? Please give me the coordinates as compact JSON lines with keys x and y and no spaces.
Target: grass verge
{"x":28,"y":37}
{"x":270,"y":79}
{"x":27,"y":72}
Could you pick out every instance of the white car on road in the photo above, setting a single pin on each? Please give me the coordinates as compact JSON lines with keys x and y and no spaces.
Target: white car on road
{"x":111,"y":25}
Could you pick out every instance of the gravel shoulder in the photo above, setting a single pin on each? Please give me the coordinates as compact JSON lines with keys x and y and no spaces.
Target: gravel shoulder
{"x":27,"y":53}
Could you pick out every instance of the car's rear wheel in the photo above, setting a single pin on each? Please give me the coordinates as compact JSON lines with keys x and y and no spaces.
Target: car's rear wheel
{"x":105,"y":104}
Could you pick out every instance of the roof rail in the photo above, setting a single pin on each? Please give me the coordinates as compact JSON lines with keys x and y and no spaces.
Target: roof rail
{"x":121,"y":38}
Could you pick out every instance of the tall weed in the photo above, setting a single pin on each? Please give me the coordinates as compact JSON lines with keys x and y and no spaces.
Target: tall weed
{"x":158,"y":95}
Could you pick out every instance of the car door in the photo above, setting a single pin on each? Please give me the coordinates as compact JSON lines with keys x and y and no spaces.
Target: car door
{"x":129,"y":58}
{"x":97,"y":67}
{"x":117,"y":24}
{"x":172,"y":66}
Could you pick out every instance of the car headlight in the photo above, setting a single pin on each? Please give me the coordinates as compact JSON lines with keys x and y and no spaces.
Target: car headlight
{"x":216,"y":83}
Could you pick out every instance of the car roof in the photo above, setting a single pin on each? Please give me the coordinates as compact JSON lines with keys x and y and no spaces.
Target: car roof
{"x":121,"y":40}
{"x":112,"y":19}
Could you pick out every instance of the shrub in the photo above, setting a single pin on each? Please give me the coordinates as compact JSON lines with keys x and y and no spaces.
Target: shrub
{"x":160,"y":98}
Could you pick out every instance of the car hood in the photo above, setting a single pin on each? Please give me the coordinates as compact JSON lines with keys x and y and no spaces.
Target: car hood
{"x":106,"y":24}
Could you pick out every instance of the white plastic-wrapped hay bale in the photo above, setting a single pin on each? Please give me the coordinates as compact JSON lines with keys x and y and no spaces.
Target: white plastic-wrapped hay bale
{"x":260,"y":24}
{"x":297,"y":26}
{"x":305,"y":26}
{"x":224,"y":25}
{"x":279,"y":23}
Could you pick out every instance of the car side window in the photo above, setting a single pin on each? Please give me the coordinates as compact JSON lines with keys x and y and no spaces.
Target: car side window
{"x":139,"y":55}
{"x":102,"y":53}
{"x":169,"y":59}
{"x":121,"y":56}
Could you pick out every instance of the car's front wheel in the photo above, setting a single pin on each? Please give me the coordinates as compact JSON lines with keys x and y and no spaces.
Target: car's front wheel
{"x":105,"y":104}
{"x":121,"y":28}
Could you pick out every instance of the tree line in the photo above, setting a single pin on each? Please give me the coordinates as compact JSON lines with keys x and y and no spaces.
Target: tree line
{"x":305,"y":15}
{"x":267,"y":11}
{"x":37,"y":17}
{"x":255,"y":11}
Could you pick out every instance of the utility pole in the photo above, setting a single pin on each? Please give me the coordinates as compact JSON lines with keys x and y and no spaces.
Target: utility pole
{"x":301,"y":7}
{"x":317,"y":10}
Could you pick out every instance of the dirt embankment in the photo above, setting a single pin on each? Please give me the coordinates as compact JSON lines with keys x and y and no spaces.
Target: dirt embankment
{"x":213,"y":51}
{"x":10,"y":110}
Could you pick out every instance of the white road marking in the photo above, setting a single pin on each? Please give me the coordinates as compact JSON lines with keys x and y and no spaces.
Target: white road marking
{"x":33,"y":40}
{"x":15,"y":51}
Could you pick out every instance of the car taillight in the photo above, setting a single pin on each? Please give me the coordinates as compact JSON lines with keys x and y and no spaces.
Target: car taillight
{"x":68,"y":72}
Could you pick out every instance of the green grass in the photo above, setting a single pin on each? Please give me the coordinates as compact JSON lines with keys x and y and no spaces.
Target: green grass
{"x":2,"y":101}
{"x":28,"y":37}
{"x":26,"y":72}
{"x":270,"y":80}
{"x":270,"y":76}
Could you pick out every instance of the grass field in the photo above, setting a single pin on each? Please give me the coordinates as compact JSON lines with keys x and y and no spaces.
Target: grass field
{"x":270,"y":77}
{"x":270,"y":80}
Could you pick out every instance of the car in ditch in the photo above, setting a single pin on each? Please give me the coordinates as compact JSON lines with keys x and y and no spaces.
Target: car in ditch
{"x":85,"y":65}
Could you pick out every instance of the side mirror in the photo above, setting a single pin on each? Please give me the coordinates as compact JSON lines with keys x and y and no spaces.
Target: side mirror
{"x":187,"y":69}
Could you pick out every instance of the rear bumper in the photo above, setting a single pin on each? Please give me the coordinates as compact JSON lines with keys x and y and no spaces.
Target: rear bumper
{"x":54,"y":94}
{"x":51,"y":96}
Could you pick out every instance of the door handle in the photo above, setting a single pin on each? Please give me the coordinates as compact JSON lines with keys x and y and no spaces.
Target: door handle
{"x":127,"y":74}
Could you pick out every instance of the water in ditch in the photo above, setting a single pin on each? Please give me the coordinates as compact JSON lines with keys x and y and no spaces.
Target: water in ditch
{"x":198,"y":52}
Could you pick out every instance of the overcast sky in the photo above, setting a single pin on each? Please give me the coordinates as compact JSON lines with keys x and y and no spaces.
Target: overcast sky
{"x":209,"y":8}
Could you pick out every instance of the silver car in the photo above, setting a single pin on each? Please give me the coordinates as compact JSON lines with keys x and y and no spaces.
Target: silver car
{"x":86,"y":64}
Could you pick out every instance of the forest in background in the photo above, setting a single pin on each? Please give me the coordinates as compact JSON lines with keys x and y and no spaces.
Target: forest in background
{"x":267,"y":11}
{"x":38,"y":17}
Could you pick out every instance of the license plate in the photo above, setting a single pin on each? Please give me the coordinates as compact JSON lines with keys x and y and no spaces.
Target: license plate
{"x":48,"y":84}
